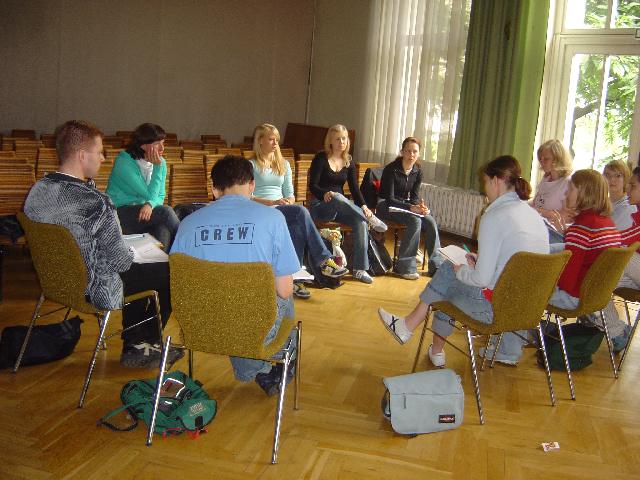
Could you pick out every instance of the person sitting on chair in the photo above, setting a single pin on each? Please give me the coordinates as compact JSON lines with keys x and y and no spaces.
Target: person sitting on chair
{"x":274,"y":187}
{"x":508,"y":226}
{"x":70,"y":199}
{"x":137,"y":186}
{"x":233,"y":185}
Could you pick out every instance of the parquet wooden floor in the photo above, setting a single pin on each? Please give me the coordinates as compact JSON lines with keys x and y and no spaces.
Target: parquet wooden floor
{"x":338,"y":433}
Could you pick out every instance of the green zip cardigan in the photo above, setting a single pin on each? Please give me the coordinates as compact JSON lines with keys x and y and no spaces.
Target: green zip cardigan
{"x":127,"y":185}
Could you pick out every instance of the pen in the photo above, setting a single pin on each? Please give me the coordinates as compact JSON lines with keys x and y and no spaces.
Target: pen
{"x":464,"y":245}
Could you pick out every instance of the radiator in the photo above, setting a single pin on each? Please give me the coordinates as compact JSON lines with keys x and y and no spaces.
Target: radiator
{"x":456,"y":210}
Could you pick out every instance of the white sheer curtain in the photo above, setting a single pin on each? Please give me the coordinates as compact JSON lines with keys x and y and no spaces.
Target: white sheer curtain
{"x":414,"y":73}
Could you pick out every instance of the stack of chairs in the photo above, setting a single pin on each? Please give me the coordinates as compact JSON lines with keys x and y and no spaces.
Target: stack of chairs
{"x":46,"y":162}
{"x":187,"y":184}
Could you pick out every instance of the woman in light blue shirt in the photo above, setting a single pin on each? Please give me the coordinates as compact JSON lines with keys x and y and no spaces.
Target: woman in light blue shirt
{"x":508,"y":226}
{"x":274,"y":187}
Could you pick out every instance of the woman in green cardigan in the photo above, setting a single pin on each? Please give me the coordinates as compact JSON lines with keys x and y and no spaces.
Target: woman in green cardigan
{"x":137,"y":186}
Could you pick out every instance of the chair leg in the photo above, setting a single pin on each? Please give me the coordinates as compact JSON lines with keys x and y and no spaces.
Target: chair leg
{"x":28,"y":335}
{"x":298,"y":361}
{"x":283,"y":384}
{"x":626,"y":309}
{"x":609,"y":345}
{"x":486,"y":349}
{"x":626,"y":349}
{"x":396,"y":246}
{"x":566,"y":358}
{"x":424,"y":331}
{"x":156,"y":395}
{"x":191,"y":363}
{"x":547,"y":369}
{"x":92,"y":364}
{"x":474,"y":373}
{"x":495,"y":350}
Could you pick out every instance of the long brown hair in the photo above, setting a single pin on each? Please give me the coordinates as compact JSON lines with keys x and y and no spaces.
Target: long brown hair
{"x":508,"y":169}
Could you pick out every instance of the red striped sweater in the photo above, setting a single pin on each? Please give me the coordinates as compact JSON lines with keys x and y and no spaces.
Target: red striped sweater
{"x":632,"y":234}
{"x":589,"y":235}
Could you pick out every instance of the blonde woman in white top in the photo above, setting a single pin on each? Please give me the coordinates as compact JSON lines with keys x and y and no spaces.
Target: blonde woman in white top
{"x":555,"y":162}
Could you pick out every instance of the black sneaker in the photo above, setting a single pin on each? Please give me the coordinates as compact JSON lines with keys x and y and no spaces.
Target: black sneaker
{"x":270,"y":382}
{"x":300,"y":291}
{"x":140,"y":355}
{"x":174,"y":355}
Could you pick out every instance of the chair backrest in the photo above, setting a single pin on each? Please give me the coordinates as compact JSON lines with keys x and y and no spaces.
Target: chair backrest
{"x":224,"y":308}
{"x":603,"y":277}
{"x":524,"y":288}
{"x":46,"y":161}
{"x":58,"y":262}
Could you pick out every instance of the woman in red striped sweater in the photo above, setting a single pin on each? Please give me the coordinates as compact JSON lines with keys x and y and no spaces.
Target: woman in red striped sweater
{"x":592,"y":232}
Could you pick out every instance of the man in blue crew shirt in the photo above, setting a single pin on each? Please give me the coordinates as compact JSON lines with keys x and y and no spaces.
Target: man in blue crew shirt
{"x":236,"y":229}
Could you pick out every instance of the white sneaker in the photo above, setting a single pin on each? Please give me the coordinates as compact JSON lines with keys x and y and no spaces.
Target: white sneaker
{"x":363,"y":276}
{"x":395,"y":326}
{"x":436,"y":358}
{"x":377,"y":224}
{"x":419,"y":257}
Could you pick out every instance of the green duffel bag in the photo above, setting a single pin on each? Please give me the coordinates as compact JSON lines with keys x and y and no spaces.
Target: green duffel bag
{"x":184,"y":406}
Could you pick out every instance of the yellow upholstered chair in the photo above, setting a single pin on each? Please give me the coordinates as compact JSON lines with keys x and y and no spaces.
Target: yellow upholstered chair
{"x":63,"y":279}
{"x":519,"y":299}
{"x":228,"y":309}
{"x":628,"y":295}
{"x":595,"y":292}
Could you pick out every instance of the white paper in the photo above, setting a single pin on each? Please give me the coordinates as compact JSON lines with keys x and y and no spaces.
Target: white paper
{"x":455,"y":254}
{"x":146,"y":248}
{"x":396,"y":209}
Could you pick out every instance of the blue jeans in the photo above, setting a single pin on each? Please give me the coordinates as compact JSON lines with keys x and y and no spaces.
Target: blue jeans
{"x":304,"y":234}
{"x":411,"y":239}
{"x":246,"y":369}
{"x":444,"y":286}
{"x":163,"y":223}
{"x":343,"y":210}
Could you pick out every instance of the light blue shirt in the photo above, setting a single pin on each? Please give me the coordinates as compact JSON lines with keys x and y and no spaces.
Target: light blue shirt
{"x":622,"y":212}
{"x":509,"y":225}
{"x":236,"y":229}
{"x":271,"y":186}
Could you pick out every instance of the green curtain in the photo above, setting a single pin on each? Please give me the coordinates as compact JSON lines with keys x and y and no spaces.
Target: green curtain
{"x":500,"y":93}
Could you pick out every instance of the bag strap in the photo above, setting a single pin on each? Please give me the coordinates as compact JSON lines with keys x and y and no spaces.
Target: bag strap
{"x":111,"y":426}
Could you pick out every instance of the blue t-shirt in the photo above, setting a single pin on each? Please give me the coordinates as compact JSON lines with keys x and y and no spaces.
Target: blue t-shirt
{"x":237,"y":229}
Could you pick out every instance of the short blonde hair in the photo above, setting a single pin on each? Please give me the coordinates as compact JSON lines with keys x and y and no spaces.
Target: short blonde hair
{"x":329,"y":137}
{"x":620,"y":167}
{"x":593,"y":192}
{"x":562,"y":162}
{"x":272,"y":160}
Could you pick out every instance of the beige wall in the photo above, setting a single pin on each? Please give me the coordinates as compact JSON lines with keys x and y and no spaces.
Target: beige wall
{"x":216,"y":66}
{"x":340,"y":51}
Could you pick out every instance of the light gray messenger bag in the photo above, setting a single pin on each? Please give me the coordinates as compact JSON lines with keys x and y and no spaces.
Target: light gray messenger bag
{"x":424,"y":402}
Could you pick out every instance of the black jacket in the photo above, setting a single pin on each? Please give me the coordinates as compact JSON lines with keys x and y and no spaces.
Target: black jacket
{"x":399,"y":189}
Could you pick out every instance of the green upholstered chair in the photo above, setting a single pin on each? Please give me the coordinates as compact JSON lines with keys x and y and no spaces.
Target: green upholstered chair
{"x":628,"y":295}
{"x":62,"y":275}
{"x":228,"y":309}
{"x":595,"y":293}
{"x":519,"y":299}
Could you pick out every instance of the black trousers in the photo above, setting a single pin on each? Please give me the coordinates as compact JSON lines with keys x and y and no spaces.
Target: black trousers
{"x":163,"y":223}
{"x":140,"y":277}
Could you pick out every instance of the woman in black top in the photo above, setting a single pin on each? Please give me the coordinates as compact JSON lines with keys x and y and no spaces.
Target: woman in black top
{"x":399,"y":187}
{"x":329,"y":171}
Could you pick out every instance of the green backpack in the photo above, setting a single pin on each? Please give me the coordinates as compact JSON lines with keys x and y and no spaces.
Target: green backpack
{"x":184,"y":406}
{"x":582,"y":341}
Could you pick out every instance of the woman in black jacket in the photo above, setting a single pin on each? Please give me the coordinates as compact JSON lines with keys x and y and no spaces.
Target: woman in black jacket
{"x":400,"y":202}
